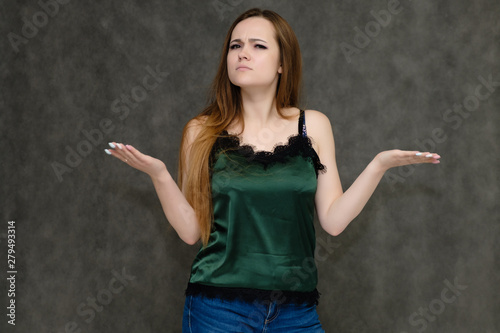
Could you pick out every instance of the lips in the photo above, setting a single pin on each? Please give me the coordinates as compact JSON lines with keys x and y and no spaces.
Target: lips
{"x":243,"y":68}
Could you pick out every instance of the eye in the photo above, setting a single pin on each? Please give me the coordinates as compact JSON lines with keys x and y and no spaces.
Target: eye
{"x":234,"y":46}
{"x":259,"y":46}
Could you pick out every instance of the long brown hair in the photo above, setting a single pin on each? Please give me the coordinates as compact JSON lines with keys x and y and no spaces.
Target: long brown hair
{"x":225,"y":106}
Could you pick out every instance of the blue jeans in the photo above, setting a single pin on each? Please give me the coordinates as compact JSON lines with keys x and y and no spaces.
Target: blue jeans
{"x":206,"y":315}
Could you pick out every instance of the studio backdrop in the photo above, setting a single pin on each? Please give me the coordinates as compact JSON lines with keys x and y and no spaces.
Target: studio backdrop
{"x":84,"y":243}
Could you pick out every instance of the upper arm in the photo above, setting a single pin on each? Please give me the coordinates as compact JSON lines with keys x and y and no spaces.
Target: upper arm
{"x":191,"y":131}
{"x":329,"y":186}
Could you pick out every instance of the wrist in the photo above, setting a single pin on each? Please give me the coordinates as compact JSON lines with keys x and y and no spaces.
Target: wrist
{"x":377,"y":165}
{"x":161,"y":176}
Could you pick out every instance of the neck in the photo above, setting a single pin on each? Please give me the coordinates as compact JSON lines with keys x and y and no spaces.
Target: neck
{"x":259,"y":108}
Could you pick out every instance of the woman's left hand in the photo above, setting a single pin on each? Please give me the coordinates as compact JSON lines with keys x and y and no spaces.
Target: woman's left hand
{"x":394,"y":158}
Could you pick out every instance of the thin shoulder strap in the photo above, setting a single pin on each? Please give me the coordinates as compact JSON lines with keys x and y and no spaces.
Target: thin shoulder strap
{"x":302,"y":123}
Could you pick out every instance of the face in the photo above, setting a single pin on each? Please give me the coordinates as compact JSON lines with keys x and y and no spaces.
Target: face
{"x":253,"y":58}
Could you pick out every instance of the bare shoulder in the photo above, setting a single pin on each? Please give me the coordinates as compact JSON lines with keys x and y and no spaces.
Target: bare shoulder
{"x":196,"y":122}
{"x":315,"y":117}
{"x":189,"y":134}
{"x":193,"y":127}
{"x":318,"y":127}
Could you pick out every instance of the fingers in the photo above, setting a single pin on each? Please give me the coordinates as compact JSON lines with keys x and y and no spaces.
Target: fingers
{"x":427,"y":157}
{"x":125,"y":153}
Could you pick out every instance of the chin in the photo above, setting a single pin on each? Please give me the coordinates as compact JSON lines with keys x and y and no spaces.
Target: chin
{"x":250,"y":84}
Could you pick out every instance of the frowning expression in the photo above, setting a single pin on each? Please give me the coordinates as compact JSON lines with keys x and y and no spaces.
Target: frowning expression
{"x":253,"y":58}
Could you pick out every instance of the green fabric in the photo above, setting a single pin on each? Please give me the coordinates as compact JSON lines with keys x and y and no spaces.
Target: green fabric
{"x":263,"y":234}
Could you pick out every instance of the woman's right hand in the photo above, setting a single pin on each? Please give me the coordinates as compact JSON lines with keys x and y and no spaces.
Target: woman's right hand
{"x":145,"y":163}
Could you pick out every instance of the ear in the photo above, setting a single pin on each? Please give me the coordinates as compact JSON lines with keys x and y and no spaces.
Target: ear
{"x":280,"y":70}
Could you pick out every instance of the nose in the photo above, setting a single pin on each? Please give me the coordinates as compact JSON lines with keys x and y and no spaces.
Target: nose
{"x":243,"y":53}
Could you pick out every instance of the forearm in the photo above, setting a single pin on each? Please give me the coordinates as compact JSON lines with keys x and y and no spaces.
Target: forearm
{"x":177,"y":209}
{"x":345,"y":208}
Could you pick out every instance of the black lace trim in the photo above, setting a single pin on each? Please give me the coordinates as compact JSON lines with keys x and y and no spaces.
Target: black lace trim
{"x":250,"y":295}
{"x":296,"y":145}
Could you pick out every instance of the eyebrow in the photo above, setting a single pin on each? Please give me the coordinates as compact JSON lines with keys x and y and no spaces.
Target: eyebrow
{"x":250,"y":39}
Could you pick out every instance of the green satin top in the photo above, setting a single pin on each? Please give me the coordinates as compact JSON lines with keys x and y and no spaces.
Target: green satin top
{"x":263,"y":235}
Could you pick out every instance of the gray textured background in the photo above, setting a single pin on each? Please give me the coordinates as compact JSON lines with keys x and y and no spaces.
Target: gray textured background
{"x":424,"y":225}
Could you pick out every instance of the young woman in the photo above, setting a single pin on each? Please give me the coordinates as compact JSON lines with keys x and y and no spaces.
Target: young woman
{"x":251,"y":174}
